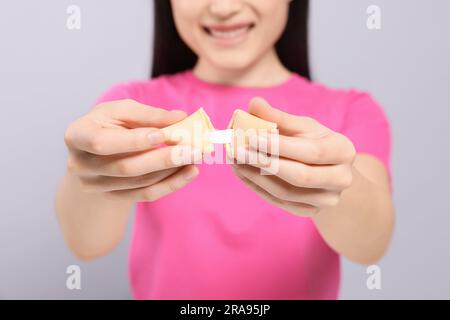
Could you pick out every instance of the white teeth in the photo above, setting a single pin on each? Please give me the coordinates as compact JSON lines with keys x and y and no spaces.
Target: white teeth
{"x":228,"y":34}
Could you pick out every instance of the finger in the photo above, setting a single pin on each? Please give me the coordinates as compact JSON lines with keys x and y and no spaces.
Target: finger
{"x":282,"y":190}
{"x":288,"y":124}
{"x":137,"y":114}
{"x":137,"y":164}
{"x":97,"y":184}
{"x":169,"y":185}
{"x":295,"y":208}
{"x":330,"y":177}
{"x":108,"y":141}
{"x":332,"y":148}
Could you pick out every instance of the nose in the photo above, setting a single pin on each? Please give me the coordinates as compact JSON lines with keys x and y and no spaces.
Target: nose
{"x":224,"y":9}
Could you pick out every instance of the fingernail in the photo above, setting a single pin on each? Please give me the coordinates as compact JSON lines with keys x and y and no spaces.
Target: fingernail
{"x":155,"y":137}
{"x":242,"y":150}
{"x":197,"y":155}
{"x":191,"y":174}
{"x":263,"y":140}
{"x":252,"y":142}
{"x":241,"y":155}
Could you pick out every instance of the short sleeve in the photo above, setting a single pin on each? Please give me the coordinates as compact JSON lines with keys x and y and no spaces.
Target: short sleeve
{"x":368,"y":127}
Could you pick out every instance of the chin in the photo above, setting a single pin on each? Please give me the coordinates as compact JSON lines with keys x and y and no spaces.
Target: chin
{"x":233,"y":61}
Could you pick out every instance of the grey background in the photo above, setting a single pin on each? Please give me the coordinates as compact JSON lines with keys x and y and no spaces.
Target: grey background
{"x":49,"y":76}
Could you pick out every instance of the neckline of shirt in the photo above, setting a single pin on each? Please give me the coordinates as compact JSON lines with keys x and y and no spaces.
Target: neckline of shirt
{"x":211,"y":85}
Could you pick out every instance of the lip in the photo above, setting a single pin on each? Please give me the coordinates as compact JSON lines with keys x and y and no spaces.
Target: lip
{"x":228,"y":34}
{"x":229,"y":27}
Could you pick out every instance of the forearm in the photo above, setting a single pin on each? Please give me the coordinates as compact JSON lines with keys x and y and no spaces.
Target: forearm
{"x":361,"y":225}
{"x":92,"y":224}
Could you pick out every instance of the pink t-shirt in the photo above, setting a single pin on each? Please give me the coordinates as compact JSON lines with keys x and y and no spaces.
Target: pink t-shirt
{"x":215,"y":238}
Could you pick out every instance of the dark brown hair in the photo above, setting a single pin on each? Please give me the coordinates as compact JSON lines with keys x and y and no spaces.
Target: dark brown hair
{"x":172,"y":55}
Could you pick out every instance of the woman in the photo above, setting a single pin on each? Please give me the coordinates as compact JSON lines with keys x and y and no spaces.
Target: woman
{"x":227,"y":231}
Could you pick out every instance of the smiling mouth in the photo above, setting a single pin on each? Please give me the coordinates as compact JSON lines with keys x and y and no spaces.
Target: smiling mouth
{"x":228,"y":33}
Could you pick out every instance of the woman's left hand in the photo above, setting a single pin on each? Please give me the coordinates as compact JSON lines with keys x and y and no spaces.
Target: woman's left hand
{"x":315,"y":164}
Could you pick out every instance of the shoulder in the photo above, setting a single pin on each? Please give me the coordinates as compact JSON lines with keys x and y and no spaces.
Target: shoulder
{"x":345,"y":106}
{"x":326,"y":94}
{"x":146,"y":91}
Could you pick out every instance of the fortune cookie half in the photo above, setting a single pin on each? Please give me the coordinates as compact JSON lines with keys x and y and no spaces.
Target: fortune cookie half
{"x":193,"y":131}
{"x":243,"y":125}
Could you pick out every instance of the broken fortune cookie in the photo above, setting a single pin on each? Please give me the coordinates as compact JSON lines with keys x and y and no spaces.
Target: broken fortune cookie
{"x":193,"y":131}
{"x":244,"y":124}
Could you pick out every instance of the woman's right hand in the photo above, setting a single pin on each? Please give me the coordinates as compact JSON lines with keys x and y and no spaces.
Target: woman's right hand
{"x":114,"y":150}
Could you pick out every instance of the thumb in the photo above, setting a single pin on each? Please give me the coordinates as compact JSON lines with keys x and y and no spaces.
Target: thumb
{"x":288,"y":124}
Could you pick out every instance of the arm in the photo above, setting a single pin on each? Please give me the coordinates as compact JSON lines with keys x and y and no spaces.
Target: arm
{"x":114,"y":161}
{"x":92,"y":223}
{"x":361,"y":225}
{"x":319,"y":175}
